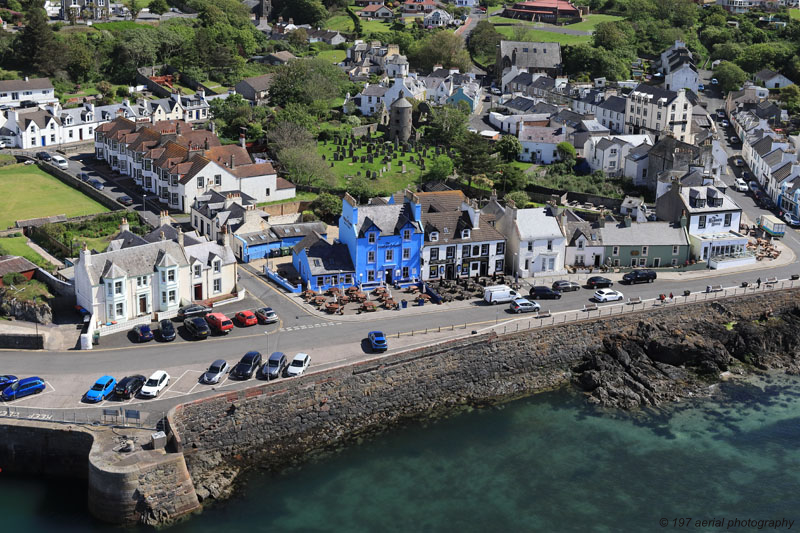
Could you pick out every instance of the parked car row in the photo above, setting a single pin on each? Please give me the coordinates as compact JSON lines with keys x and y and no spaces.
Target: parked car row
{"x":200,"y":322}
{"x":252,"y":364}
{"x":128,"y":387}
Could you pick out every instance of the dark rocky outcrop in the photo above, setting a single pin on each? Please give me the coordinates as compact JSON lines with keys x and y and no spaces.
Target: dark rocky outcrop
{"x":658,"y":363}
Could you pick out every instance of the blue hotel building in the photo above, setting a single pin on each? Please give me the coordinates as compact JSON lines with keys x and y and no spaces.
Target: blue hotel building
{"x":384,"y":240}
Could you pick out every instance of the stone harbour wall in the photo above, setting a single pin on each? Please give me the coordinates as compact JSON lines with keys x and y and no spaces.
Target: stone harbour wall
{"x":276,"y":423}
{"x":146,"y":486}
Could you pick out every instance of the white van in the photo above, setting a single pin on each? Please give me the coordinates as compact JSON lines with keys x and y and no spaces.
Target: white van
{"x":498,"y":294}
{"x":60,"y":162}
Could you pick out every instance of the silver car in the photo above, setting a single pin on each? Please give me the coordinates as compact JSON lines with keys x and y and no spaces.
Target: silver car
{"x":522,"y":305}
{"x":215,"y":372}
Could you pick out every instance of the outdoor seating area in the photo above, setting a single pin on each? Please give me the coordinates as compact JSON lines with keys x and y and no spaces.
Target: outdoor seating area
{"x":352,"y":300}
{"x":467,"y":288}
{"x":763,"y":249}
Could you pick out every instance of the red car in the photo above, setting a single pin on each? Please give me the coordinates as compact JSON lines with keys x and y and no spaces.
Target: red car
{"x":246,"y":318}
{"x":219,"y":322}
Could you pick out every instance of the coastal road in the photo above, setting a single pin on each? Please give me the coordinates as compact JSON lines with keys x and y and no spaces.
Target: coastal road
{"x":330,"y":342}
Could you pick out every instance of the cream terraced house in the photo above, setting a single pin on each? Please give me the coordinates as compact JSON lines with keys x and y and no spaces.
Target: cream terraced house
{"x":153,"y":278}
{"x":656,"y":111}
{"x":176,"y":164}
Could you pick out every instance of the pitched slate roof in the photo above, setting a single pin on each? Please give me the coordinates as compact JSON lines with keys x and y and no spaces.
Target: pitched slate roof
{"x":388,"y":218}
{"x":645,"y":233}
{"x":259,"y":83}
{"x":538,"y":55}
{"x":450,"y":225}
{"x":439,"y":201}
{"x":135,"y":261}
{"x":657,"y":92}
{"x":25,"y":85}
{"x":615,"y":104}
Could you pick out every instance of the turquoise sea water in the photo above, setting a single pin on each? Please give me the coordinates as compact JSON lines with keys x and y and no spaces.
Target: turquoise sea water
{"x":547,"y":463}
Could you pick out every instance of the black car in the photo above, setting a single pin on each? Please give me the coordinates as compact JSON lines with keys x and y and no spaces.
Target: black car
{"x":129,"y":386}
{"x":43,"y":156}
{"x":245,"y":368}
{"x":197,"y":327}
{"x":639,"y":276}
{"x":192,"y":311}
{"x":541,"y":292}
{"x":275,"y":365}
{"x":125,"y":200}
{"x":166,"y":330}
{"x":598,"y":282}
{"x":566,"y":286}
{"x":84,"y":177}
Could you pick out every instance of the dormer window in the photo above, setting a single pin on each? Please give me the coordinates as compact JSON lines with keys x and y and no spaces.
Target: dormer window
{"x":465,"y":234}
{"x":217,"y":266}
{"x":434,"y":236}
{"x":406,"y":234}
{"x":371,"y":238}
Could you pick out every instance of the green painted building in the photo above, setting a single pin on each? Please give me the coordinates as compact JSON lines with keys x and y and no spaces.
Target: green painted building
{"x":647,"y":244}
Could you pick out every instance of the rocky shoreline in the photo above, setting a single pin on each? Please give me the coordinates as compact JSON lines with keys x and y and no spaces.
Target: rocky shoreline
{"x":657,"y":364}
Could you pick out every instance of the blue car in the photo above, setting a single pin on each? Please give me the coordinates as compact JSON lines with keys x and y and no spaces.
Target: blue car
{"x":377,"y":341}
{"x":102,"y":388}
{"x":22,"y":388}
{"x":8,"y":380}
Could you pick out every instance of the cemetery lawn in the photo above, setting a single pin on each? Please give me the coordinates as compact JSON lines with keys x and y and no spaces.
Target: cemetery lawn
{"x":392,"y":180}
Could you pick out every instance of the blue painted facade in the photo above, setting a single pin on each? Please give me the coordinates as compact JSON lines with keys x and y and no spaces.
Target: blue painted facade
{"x":789,"y":197}
{"x":322,"y":265}
{"x":460,"y":96}
{"x":384,"y":241}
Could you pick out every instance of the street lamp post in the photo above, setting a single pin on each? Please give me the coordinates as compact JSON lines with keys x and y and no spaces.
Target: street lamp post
{"x":144,"y":204}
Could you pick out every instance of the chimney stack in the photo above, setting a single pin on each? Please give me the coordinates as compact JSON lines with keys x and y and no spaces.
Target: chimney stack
{"x":233,"y":164}
{"x":627,"y":221}
{"x":242,"y":140}
{"x":180,"y":237}
{"x":163,"y":218}
{"x":86,"y":255}
{"x":124,"y":226}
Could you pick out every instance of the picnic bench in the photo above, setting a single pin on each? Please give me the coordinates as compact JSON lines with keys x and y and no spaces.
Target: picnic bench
{"x":319,"y":300}
{"x":771,"y":281}
{"x":368,"y":306}
{"x":543,"y":314}
{"x":332,"y":307}
{"x":590,"y":307}
{"x":714,"y":288}
{"x":635,"y":300}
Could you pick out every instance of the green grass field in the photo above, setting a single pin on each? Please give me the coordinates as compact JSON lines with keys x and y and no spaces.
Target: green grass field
{"x":590,"y":22}
{"x":120,"y":25}
{"x":794,"y":13}
{"x":345,"y":24}
{"x":545,"y":36}
{"x":334,"y":56}
{"x":28,"y":192}
{"x":18,"y":246}
{"x":391,"y":181}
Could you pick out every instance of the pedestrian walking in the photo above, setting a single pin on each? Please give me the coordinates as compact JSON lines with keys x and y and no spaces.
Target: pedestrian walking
{"x":758,"y":283}
{"x":670,"y":297}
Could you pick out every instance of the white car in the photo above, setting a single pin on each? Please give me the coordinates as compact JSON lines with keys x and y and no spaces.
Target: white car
{"x":740,"y":185}
{"x":60,"y":162}
{"x":298,"y":365}
{"x":155,"y":384}
{"x":607,"y":295}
